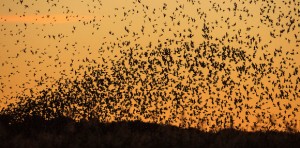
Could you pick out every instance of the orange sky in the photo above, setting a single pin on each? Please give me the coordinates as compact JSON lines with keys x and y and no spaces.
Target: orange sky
{"x":55,"y":33}
{"x":44,"y":19}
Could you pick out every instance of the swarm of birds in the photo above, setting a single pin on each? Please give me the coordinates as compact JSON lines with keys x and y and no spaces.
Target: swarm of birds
{"x":183,"y":63}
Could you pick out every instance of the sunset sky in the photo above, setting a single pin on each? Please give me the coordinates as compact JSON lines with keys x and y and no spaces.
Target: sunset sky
{"x":47,"y":40}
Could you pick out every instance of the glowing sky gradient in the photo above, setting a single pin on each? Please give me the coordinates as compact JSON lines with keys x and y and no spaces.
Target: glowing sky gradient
{"x":39,"y":40}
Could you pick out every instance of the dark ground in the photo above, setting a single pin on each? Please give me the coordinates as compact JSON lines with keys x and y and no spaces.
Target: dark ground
{"x":64,"y":132}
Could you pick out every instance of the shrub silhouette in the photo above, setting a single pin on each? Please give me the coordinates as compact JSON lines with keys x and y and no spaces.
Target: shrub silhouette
{"x":65,"y":132}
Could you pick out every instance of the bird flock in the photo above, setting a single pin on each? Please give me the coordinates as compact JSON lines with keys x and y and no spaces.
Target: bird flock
{"x":211,"y":65}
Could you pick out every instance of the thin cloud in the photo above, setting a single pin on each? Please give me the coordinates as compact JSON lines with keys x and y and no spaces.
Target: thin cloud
{"x":44,"y":19}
